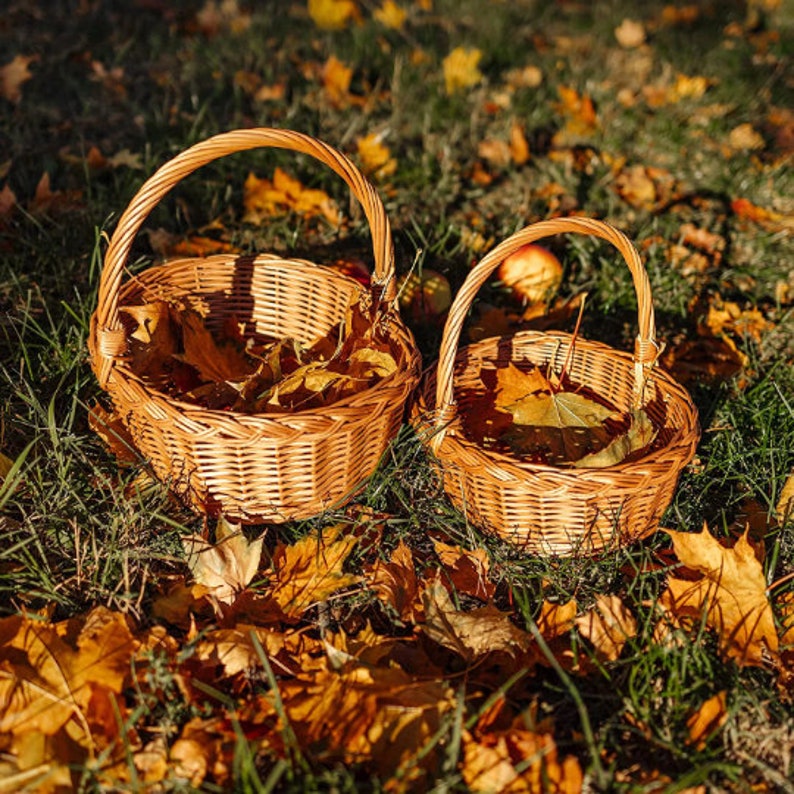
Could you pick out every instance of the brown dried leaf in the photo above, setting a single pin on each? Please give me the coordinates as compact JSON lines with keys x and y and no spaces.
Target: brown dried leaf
{"x":556,"y":620}
{"x":109,"y":427}
{"x":784,"y":509}
{"x":14,"y":74}
{"x":215,"y":361}
{"x":467,"y":570}
{"x":730,"y":591}
{"x":396,"y":584}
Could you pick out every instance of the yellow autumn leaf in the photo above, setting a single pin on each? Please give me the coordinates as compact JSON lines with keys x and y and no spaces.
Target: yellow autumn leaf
{"x":376,"y":159}
{"x":608,"y":625}
{"x":333,"y":14}
{"x":391,"y":15}
{"x":311,"y":570}
{"x":730,"y":592}
{"x":461,"y":69}
{"x":784,"y":509}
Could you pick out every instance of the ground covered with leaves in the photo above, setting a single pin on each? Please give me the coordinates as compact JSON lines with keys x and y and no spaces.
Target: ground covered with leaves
{"x":388,"y":645}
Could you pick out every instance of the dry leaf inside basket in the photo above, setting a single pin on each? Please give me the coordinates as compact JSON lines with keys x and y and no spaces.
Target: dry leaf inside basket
{"x":541,"y":417}
{"x":231,"y":368}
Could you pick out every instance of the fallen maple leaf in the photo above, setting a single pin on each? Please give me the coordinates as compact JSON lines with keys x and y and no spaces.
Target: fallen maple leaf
{"x":467,"y":570}
{"x":396,"y":584}
{"x":227,"y":567}
{"x":470,"y":634}
{"x":561,"y":426}
{"x":639,"y":436}
{"x":608,"y":625}
{"x":49,"y":674}
{"x":217,"y":362}
{"x":265,"y":198}
{"x":333,"y":14}
{"x":311,"y":570}
{"x":766,"y":218}
{"x":730,"y":592}
{"x":707,"y":720}
{"x":461,"y":69}
{"x":517,"y":760}
{"x":14,"y":74}
{"x":375,"y":157}
{"x":556,"y":620}
{"x":391,"y":15}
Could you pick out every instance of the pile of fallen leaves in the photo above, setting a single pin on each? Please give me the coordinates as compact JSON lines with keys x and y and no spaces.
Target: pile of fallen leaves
{"x":232,"y":368}
{"x":298,"y":652}
{"x":539,"y":416}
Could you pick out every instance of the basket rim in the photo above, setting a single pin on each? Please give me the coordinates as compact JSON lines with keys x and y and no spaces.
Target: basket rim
{"x":454,"y":435}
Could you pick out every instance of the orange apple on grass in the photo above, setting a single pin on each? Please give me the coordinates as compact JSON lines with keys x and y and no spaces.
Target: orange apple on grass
{"x":425,"y":296}
{"x":532,"y":273}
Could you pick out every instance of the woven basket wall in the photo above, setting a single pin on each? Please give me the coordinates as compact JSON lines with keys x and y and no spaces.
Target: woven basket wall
{"x":268,"y":467}
{"x":542,"y":508}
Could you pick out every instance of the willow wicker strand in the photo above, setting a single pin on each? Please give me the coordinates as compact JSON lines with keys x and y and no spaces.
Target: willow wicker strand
{"x":272,"y":467}
{"x":540,"y":507}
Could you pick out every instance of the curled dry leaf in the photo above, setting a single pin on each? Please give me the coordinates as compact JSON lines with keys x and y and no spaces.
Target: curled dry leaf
{"x":730,"y":592}
{"x":784,"y":509}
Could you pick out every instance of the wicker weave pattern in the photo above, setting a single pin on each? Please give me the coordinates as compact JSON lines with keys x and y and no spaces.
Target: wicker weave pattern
{"x":542,"y":508}
{"x":273,"y":467}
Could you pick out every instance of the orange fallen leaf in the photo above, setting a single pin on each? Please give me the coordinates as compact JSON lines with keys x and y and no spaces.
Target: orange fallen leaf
{"x":518,"y":760}
{"x":312,"y":569}
{"x":54,"y":671}
{"x":396,"y":584}
{"x":730,"y":592}
{"x":470,"y":634}
{"x":519,"y":146}
{"x":14,"y":75}
{"x":707,"y":358}
{"x":556,"y":620}
{"x":579,"y":113}
{"x":766,"y":218}
{"x":608,"y":625}
{"x":265,"y":198}
{"x":461,"y":69}
{"x":707,"y":720}
{"x":375,"y":157}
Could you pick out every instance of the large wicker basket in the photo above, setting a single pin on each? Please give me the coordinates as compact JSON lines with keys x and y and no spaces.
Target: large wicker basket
{"x":268,"y":467}
{"x":543,"y":508}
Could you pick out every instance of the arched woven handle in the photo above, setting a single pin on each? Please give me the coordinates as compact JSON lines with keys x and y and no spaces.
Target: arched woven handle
{"x":109,"y":334}
{"x":645,"y":349}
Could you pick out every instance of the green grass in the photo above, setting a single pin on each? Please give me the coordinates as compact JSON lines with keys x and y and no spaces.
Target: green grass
{"x":75,"y":531}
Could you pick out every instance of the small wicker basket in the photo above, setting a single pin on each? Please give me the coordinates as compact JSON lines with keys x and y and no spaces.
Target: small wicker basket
{"x":269,"y":467}
{"x":543,"y":508}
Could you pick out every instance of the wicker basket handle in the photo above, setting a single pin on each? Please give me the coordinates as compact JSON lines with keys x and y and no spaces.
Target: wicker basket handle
{"x":107,"y":327}
{"x":645,"y":349}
